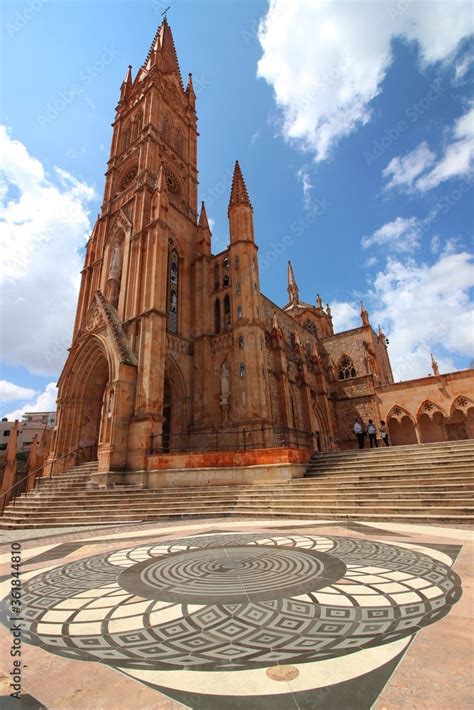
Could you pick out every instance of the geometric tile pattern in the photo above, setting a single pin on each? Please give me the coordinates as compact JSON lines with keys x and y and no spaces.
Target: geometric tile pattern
{"x":207,"y":602}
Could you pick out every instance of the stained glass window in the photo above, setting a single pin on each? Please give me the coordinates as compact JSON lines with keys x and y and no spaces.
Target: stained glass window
{"x":346,"y":368}
{"x":173,"y":290}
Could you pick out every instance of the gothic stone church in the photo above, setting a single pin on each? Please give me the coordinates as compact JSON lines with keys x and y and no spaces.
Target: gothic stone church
{"x":176,"y":350}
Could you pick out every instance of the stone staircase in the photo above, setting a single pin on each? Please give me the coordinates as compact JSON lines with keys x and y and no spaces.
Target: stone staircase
{"x":427,"y":483}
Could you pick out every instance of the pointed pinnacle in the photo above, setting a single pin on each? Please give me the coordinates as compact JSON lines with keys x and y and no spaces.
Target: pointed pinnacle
{"x":189,"y":85}
{"x":238,"y":192}
{"x":203,"y":221}
{"x":162,"y":184}
{"x":291,"y":275}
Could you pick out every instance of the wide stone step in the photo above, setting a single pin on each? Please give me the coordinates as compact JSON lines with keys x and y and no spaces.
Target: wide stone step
{"x":311,"y":489}
{"x":328,"y":506}
{"x":355,"y":516}
{"x":408,"y":461}
{"x":150,"y":496}
{"x":431,"y":448}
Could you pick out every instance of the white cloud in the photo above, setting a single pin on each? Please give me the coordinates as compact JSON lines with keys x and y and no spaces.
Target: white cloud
{"x":401,"y":235}
{"x":255,"y":137}
{"x":44,"y":222}
{"x":458,"y":158}
{"x":44,"y":402}
{"x":344,"y":316}
{"x":9,"y":392}
{"x":402,"y":171}
{"x":463,"y":66}
{"x":326,"y":60}
{"x":419,"y":170}
{"x":426,"y":308}
{"x":305,"y":179}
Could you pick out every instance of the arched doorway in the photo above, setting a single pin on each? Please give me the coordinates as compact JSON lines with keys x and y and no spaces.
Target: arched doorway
{"x":174,"y":415}
{"x":321,"y":431}
{"x":401,"y":427}
{"x":86,"y":403}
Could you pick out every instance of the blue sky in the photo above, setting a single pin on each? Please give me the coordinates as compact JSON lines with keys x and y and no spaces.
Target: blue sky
{"x":353,"y":125}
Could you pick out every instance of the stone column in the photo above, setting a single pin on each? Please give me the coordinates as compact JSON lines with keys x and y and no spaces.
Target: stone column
{"x":9,"y":473}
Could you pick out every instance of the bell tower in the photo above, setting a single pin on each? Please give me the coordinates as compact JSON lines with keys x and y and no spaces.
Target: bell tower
{"x":138,"y":263}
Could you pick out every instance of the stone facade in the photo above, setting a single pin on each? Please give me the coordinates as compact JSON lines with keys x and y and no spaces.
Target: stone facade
{"x":176,"y":349}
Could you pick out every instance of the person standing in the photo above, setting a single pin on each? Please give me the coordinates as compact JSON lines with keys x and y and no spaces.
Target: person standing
{"x":359,"y":432}
{"x":372,"y":432}
{"x":384,"y":433}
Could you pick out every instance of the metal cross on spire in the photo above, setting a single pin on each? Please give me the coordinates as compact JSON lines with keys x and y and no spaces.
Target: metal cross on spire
{"x":163,"y":14}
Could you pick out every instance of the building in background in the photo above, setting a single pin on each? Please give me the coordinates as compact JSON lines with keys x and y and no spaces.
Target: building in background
{"x":176,"y":349}
{"x":31,"y":423}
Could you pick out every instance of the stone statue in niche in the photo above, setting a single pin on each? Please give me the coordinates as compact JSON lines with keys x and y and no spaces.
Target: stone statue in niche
{"x":111,"y":402}
{"x":115,"y":273}
{"x":225,"y":390}
{"x":373,"y":365}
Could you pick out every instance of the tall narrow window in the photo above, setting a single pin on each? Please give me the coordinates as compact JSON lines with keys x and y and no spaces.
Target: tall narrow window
{"x":217,"y":316}
{"x":293,"y":413}
{"x":126,"y":136}
{"x":179,"y":142}
{"x":216,"y":278}
{"x":227,"y":317}
{"x":167,"y":128}
{"x":173,"y":293}
{"x":239,"y":311}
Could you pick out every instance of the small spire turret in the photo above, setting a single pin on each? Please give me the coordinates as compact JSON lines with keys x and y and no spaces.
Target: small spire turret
{"x":364,"y":314}
{"x":434,"y":366}
{"x":293,"y":291}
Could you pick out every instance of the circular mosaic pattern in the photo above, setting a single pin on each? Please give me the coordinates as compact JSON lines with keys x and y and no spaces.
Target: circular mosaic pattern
{"x":330,"y":596}
{"x":232,"y":574}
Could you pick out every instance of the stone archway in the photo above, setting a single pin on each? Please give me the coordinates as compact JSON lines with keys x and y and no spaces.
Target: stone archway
{"x":431,"y":422}
{"x":432,"y":428}
{"x":321,"y":429}
{"x":401,"y":427}
{"x":460,"y":424}
{"x":174,"y":437}
{"x":86,"y":403}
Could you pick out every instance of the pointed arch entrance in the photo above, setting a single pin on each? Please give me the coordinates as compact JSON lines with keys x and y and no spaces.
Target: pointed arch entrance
{"x":174,"y":409}
{"x":321,"y":429}
{"x":401,"y":427}
{"x":86,"y":402}
{"x":431,"y":422}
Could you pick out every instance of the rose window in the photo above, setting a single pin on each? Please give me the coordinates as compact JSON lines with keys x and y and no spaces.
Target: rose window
{"x":128,"y":177}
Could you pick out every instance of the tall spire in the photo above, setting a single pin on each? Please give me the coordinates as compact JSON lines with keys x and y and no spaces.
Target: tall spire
{"x":163,"y":47}
{"x":364,"y":314}
{"x":238,"y":193}
{"x":293,"y":292}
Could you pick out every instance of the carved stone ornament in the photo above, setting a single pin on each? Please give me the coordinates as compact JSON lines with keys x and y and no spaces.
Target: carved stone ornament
{"x":94,"y":319}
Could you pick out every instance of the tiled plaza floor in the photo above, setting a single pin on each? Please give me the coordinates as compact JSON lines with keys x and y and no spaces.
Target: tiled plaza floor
{"x":238,"y":614}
